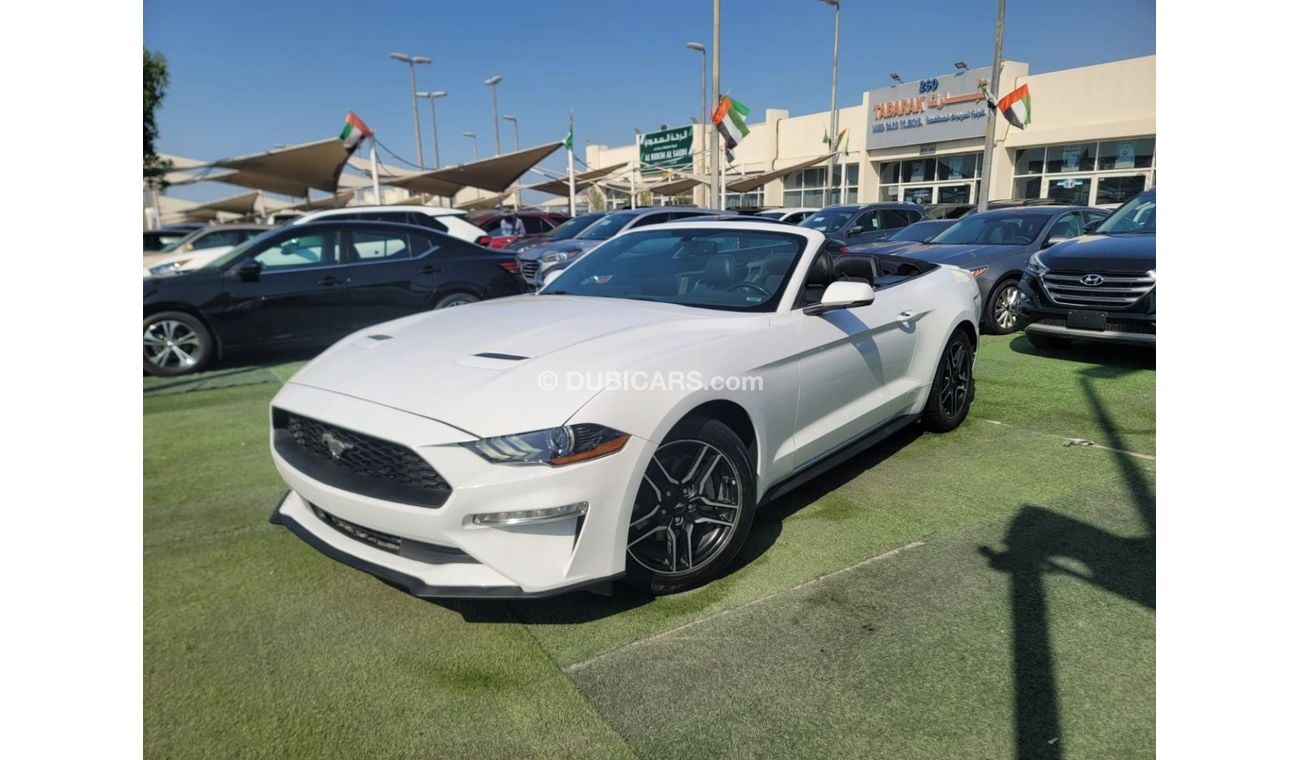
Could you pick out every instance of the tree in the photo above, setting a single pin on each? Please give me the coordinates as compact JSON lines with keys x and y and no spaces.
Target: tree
{"x":155,"y":85}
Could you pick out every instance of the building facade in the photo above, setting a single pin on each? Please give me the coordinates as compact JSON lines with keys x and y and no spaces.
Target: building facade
{"x":1091,"y":140}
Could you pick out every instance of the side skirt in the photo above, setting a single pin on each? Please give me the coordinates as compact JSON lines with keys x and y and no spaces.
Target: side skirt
{"x":836,"y":457}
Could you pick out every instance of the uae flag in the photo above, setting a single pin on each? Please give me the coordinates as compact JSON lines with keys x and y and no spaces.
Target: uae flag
{"x":354,"y":131}
{"x":1016,"y":106}
{"x":729,"y":118}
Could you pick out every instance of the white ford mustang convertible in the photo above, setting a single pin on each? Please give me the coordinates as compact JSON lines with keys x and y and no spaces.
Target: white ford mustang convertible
{"x":624,"y":422}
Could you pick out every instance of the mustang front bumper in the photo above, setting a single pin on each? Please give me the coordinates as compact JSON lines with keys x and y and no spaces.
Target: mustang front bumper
{"x":439,"y":551}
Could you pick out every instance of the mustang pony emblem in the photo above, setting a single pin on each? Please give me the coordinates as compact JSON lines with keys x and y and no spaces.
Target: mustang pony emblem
{"x":337,"y":446}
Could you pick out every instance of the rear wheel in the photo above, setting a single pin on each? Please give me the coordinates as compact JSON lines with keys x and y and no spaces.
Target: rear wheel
{"x":455,"y":299}
{"x":175,"y":343}
{"x":1001,"y":316}
{"x":693,"y":510}
{"x":953,"y":387}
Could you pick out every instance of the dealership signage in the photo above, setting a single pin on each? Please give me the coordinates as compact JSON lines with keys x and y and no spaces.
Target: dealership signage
{"x":668,"y":149}
{"x":948,"y":107}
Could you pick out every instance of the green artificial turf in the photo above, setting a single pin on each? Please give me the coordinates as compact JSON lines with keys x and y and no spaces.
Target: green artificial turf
{"x":256,"y":645}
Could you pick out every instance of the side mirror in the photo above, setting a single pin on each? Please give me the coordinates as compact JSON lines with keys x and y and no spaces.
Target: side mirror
{"x":551,"y":277}
{"x":856,"y":229}
{"x":249,"y":271}
{"x":842,"y":294}
{"x":1051,"y":241}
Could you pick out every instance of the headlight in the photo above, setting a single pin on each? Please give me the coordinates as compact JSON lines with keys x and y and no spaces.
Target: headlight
{"x":1152,"y":274}
{"x":554,"y":446}
{"x":559,"y":257}
{"x":976,"y":272}
{"x":171,"y":268}
{"x":1036,"y":266}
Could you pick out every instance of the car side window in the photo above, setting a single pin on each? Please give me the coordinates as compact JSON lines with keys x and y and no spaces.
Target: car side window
{"x":1069,"y":226}
{"x":894,"y":218}
{"x":534,"y":225}
{"x":868,"y":221}
{"x":650,"y":219}
{"x":219,"y":238}
{"x":299,"y":251}
{"x":373,"y":246}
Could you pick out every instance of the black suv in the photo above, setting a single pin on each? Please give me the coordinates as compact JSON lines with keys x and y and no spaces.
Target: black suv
{"x":1099,"y":287}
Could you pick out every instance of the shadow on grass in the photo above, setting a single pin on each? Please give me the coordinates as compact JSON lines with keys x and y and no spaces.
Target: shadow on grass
{"x":1113,"y":355}
{"x":580,"y":607}
{"x":1037,"y":541}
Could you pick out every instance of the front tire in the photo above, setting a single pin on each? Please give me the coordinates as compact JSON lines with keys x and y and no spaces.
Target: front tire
{"x":953,"y":387}
{"x":1001,"y":316}
{"x":455,"y":299}
{"x":694,"y":508}
{"x":176,"y":343}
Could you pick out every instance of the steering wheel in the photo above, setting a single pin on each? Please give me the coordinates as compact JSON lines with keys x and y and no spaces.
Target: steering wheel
{"x":746,"y":285}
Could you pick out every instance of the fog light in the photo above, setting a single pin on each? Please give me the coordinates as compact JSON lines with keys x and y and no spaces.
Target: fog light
{"x":531,"y":516}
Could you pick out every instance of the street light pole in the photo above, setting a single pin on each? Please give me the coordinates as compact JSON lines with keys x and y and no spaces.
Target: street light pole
{"x":832,"y":142}
{"x":714,"y":147}
{"x":473,"y":138}
{"x":986,"y":171}
{"x":515,"y":122}
{"x":433,"y":112}
{"x":411,"y":60}
{"x":704,"y":97}
{"x":496,"y":123}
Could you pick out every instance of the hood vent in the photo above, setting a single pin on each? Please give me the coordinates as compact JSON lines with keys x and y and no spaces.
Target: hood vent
{"x":503,"y":357}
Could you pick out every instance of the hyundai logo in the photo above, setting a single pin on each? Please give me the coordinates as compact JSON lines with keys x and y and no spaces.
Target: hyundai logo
{"x":1092,"y":280}
{"x":336,"y":446}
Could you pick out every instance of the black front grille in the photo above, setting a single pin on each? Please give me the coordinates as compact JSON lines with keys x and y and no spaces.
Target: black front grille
{"x":420,"y":551}
{"x":1115,"y":291}
{"x":357,"y":462}
{"x":1112,"y":325}
{"x":529,"y":270}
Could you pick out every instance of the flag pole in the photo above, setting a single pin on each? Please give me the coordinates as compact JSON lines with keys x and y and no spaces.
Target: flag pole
{"x":986,"y":171}
{"x":573,"y":193}
{"x":636,"y":163}
{"x":374,"y":172}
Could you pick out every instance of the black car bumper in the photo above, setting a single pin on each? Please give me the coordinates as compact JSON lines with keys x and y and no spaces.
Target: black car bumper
{"x":1135,"y":325}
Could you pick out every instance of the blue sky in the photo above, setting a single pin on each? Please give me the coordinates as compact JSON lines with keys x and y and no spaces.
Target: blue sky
{"x":246,"y":76}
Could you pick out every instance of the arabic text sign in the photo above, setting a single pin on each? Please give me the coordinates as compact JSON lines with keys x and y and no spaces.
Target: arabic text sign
{"x":668,"y":149}
{"x":948,"y":107}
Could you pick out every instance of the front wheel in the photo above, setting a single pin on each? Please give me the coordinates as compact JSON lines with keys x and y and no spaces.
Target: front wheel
{"x":1002,"y":317}
{"x":175,"y":343}
{"x":953,"y":387}
{"x":455,"y":299}
{"x":693,"y":510}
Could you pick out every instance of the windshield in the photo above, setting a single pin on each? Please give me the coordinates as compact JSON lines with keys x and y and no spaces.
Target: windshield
{"x":237,"y":251}
{"x":1136,"y":215}
{"x":573,"y":226}
{"x":177,"y":244}
{"x":918,"y":231}
{"x":772,"y":214}
{"x":608,"y":227}
{"x":827,"y":220}
{"x":994,"y":229}
{"x":732,"y":270}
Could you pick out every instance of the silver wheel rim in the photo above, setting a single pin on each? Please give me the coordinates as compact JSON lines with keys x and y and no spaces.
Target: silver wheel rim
{"x":1004,"y":307}
{"x":459,"y":301}
{"x":686,"y":510}
{"x":171,"y":344}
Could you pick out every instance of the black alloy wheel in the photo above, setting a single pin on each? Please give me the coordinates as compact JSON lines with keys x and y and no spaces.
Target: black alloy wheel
{"x":693,"y":510}
{"x":953,"y":388}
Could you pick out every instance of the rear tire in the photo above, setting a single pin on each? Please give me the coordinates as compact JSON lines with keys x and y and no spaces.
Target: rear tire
{"x":953,"y":387}
{"x":1046,"y":342}
{"x":694,"y":509}
{"x":455,"y":299}
{"x":1000,"y":314}
{"x":176,"y":343}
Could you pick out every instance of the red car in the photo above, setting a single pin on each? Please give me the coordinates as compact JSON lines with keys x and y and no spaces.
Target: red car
{"x":536,"y":224}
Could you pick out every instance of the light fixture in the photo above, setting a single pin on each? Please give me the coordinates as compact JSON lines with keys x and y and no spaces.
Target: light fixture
{"x":896,"y":78}
{"x":961,"y":66}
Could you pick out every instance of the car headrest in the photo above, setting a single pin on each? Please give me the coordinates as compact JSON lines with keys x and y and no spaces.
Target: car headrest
{"x":857,"y":267}
{"x":819,"y":271}
{"x":719,"y":270}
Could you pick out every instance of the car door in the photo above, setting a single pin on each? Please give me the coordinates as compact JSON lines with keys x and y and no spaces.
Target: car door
{"x":854,"y":366}
{"x":865,"y":227}
{"x":295,"y":294}
{"x":391,"y":273}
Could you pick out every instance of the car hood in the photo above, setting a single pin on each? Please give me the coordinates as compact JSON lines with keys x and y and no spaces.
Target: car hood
{"x":1103,"y":253}
{"x":560,"y":245}
{"x":961,"y":255}
{"x":515,"y":364}
{"x":891,"y":247}
{"x":195,"y":259}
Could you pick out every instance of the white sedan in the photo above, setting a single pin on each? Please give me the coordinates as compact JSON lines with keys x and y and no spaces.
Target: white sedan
{"x":625,"y":421}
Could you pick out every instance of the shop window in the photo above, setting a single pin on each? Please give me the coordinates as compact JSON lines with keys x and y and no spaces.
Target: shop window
{"x":918,"y":170}
{"x":1126,"y":154}
{"x":889,"y":193}
{"x":1119,"y":189}
{"x":1028,"y":187}
{"x":1073,"y":190}
{"x":955,"y":194}
{"x":1029,"y":161}
{"x":1070,"y":158}
{"x":919,"y":195}
{"x":889,"y":173}
{"x":959,"y":167}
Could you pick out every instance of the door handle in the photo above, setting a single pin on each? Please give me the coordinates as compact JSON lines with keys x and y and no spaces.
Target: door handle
{"x":431,"y":270}
{"x":905,"y":316}
{"x":330,"y":281}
